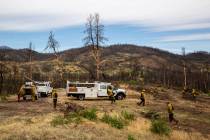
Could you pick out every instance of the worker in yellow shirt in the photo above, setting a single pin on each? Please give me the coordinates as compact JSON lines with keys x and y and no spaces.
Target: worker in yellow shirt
{"x":111,"y":94}
{"x":194,"y":94}
{"x":142,"y":97}
{"x":171,"y":113}
{"x":55,"y":98}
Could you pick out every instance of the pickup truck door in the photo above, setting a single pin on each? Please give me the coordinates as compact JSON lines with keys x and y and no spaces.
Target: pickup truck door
{"x":102,"y":90}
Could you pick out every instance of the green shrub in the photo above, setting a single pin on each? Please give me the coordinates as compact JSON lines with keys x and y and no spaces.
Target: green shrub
{"x":151,"y":114}
{"x":132,"y":82}
{"x":130,"y":137}
{"x":73,"y":117}
{"x":89,"y":114}
{"x":160,"y":127}
{"x":128,"y":116}
{"x":59,"y":120}
{"x":113,"y":121}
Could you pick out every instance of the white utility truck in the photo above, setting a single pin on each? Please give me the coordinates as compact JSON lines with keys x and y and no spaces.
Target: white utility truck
{"x":44,"y":88}
{"x":92,"y":90}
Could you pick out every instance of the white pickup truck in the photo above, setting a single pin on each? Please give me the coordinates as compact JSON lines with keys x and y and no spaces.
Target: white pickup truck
{"x":92,"y":90}
{"x":44,"y":89}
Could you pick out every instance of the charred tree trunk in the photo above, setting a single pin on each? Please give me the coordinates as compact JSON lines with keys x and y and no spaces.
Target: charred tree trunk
{"x":185,"y":75}
{"x":94,"y":38}
{"x":1,"y":82}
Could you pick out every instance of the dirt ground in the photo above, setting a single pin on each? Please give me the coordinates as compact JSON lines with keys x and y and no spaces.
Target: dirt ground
{"x":31,"y":120}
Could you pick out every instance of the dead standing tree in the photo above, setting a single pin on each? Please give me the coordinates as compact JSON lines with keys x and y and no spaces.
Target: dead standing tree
{"x":15,"y":79}
{"x":184,"y":67}
{"x":53,"y":45}
{"x":3,"y":70}
{"x":207,"y":68}
{"x":205,"y":76}
{"x":94,"y":38}
{"x":30,"y":53}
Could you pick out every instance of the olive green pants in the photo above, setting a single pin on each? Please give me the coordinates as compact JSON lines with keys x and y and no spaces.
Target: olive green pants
{"x":112,"y":99}
{"x":54,"y":103}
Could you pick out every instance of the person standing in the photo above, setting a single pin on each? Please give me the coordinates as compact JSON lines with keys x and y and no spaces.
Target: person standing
{"x":142,"y":98}
{"x":55,"y":98}
{"x":194,"y":94}
{"x":111,"y":95}
{"x":171,"y":113}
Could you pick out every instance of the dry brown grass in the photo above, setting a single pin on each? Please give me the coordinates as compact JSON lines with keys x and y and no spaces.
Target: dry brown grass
{"x":40,"y":128}
{"x":22,"y":120}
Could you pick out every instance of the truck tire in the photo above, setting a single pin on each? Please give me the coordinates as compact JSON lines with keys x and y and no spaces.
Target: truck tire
{"x":24,"y":98}
{"x":46,"y":94}
{"x":120,"y":96}
{"x":36,"y":98}
{"x":81,"y":97}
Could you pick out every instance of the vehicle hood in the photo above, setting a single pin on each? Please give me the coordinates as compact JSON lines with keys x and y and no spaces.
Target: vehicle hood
{"x":119,"y":90}
{"x":41,"y":88}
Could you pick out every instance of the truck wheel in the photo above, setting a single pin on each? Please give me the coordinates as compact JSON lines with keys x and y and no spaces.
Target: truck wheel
{"x":120,"y":96}
{"x":45,"y":94}
{"x":24,"y":98}
{"x":36,"y":98}
{"x":81,"y":97}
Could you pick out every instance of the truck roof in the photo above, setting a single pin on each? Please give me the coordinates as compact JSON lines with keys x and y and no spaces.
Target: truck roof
{"x":42,"y":81}
{"x":96,"y":82}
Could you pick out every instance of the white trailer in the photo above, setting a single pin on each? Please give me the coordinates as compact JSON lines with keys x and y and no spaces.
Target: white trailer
{"x":92,"y":90}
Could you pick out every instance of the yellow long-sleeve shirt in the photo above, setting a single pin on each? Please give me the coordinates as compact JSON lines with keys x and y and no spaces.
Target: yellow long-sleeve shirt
{"x":170,"y":108}
{"x":54,"y":95}
{"x":109,"y":92}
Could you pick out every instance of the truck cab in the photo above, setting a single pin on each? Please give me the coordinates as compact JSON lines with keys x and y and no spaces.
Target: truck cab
{"x":44,"y":89}
{"x":102,"y":89}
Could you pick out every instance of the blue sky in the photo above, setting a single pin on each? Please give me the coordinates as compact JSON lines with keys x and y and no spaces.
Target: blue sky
{"x":164,"y":24}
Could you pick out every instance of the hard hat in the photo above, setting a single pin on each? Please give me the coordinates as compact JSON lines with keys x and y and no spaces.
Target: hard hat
{"x":143,"y":90}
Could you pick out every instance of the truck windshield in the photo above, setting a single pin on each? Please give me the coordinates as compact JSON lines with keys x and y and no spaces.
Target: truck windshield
{"x":115,"y":88}
{"x":103,"y":87}
{"x":41,"y":85}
